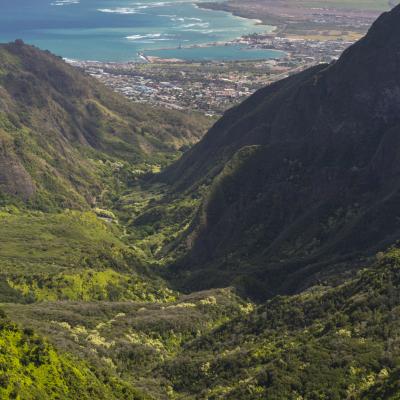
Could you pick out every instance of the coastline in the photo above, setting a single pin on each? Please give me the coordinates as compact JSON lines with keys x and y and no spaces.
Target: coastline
{"x":149,"y":55}
{"x":223,"y":6}
{"x":232,"y":42}
{"x":212,"y":6}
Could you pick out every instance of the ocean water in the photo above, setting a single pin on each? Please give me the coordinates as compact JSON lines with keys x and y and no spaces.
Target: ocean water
{"x":221,"y":53}
{"x":116,"y":30}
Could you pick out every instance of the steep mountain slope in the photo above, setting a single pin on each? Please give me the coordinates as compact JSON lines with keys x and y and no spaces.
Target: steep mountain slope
{"x":67,"y":142}
{"x":62,"y":133}
{"x":302,"y":174}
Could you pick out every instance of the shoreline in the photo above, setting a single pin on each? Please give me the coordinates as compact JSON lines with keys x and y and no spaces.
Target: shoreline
{"x":142,"y":57}
{"x":146,"y":58}
{"x":232,"y":42}
{"x":222,"y":6}
{"x":257,"y":21}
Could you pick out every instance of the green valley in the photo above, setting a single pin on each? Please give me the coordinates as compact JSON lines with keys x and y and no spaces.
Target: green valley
{"x":143,"y":258}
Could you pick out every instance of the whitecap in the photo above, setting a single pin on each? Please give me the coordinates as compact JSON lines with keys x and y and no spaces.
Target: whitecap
{"x":201,"y":31}
{"x":198,"y":25}
{"x":119,"y":10}
{"x":131,"y":10}
{"x":64,"y":2}
{"x":150,"y":36}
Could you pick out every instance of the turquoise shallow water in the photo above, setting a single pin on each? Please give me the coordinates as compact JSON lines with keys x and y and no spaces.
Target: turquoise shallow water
{"x":223,"y":53}
{"x":116,"y":30}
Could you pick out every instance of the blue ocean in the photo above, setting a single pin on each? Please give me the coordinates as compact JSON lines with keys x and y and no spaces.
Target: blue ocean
{"x":117,"y":30}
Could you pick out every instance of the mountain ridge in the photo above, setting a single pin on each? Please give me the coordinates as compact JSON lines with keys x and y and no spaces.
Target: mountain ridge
{"x":58,"y":125}
{"x":318,"y":182}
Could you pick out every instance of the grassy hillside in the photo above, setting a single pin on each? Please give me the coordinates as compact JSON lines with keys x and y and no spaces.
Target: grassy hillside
{"x":64,"y":137}
{"x":71,"y":255}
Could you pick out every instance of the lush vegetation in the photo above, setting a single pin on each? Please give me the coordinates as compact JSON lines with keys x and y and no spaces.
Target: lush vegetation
{"x":32,"y":369}
{"x":71,"y":255}
{"x":132,"y":339}
{"x":67,"y":141}
{"x":94,"y":244}
{"x":326,"y":343}
{"x":300,"y":177}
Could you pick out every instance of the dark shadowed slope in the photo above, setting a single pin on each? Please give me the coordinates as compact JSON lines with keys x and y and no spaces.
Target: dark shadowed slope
{"x":304,"y":172}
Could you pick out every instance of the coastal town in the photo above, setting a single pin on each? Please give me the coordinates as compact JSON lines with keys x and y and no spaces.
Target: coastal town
{"x":212,"y":87}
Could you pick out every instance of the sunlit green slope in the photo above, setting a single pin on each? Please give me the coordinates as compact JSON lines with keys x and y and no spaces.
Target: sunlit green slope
{"x":32,"y":369}
{"x":65,"y":138}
